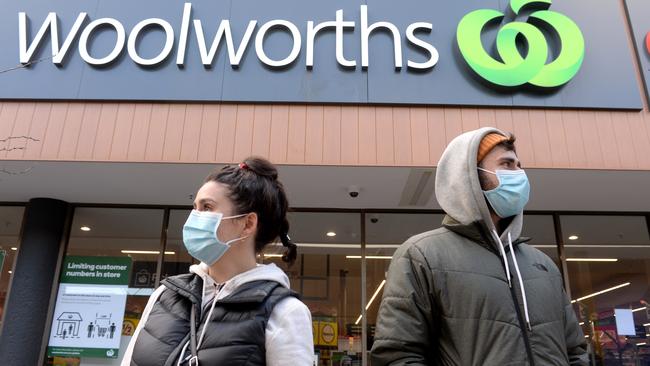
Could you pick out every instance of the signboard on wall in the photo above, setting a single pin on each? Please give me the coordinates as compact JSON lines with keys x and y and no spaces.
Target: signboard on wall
{"x":435,"y":52}
{"x":89,"y":308}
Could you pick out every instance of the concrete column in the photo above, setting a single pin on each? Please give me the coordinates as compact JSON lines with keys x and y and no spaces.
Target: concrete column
{"x":34,"y":278}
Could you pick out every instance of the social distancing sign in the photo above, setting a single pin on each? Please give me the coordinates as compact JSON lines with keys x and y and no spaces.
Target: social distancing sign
{"x":89,"y":308}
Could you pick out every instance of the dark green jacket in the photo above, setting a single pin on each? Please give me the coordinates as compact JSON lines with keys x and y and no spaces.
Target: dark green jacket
{"x":447,"y":300}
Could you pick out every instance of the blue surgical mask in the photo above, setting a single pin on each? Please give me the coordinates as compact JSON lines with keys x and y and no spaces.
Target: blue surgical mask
{"x":201,"y":239}
{"x":510,"y":197}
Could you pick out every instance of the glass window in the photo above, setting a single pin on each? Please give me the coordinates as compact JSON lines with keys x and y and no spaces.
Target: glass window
{"x":608,"y":259}
{"x":384,"y":233}
{"x":541,"y":231}
{"x":11,"y":218}
{"x":327,"y":274}
{"x":177,"y":260}
{"x":91,"y":296}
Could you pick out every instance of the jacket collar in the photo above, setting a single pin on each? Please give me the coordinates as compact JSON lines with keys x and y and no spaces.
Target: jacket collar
{"x":190,"y":285}
{"x":477,"y":232}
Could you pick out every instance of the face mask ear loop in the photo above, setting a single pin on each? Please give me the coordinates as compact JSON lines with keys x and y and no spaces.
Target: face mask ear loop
{"x":226,"y":218}
{"x":485,"y":170}
{"x":503,"y":255}
{"x":229,"y":242}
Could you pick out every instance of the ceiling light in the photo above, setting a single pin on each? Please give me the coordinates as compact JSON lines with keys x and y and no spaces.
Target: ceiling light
{"x":344,"y":246}
{"x":145,"y":252}
{"x":9,"y":272}
{"x":381,"y":285}
{"x":14,"y":248}
{"x":592,"y":260}
{"x":331,"y":234}
{"x":601,"y":292}
{"x":646,"y":325}
{"x":581,"y":323}
{"x":84,"y":228}
{"x":573,"y":237}
{"x":617,"y":246}
{"x":369,"y":257}
{"x":273,"y":255}
{"x":638,"y":309}
{"x":641,"y":344}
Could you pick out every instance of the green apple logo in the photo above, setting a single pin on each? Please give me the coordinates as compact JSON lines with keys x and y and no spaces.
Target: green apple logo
{"x":513,"y":69}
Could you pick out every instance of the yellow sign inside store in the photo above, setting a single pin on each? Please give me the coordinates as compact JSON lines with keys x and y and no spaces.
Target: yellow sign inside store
{"x":325,"y":333}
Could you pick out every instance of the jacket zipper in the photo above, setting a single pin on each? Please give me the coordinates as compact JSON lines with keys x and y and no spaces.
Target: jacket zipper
{"x":520,"y":319}
{"x":524,"y":329}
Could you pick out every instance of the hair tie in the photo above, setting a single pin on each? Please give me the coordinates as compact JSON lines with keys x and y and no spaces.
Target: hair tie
{"x":243,"y":165}
{"x":285,"y":239}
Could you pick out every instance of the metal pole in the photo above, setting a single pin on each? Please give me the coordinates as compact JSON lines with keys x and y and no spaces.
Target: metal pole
{"x":561,"y":252}
{"x":364,"y":300}
{"x":163,"y":246}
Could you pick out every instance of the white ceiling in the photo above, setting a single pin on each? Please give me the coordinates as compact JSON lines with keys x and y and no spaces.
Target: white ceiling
{"x":326,"y":187}
{"x":308,"y":186}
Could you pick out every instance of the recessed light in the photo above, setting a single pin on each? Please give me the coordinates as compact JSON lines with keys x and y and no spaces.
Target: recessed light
{"x":127,"y":251}
{"x":592,"y":259}
{"x":369,"y":257}
{"x":573,"y":237}
{"x":14,"y":248}
{"x":331,"y":234}
{"x":9,"y":272}
{"x":84,"y":228}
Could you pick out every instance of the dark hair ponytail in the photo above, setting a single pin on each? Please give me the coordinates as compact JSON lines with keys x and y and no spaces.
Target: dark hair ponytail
{"x":254,"y":187}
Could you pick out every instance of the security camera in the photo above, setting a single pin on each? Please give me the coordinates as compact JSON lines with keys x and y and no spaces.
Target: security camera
{"x":374,"y":219}
{"x":353,"y":191}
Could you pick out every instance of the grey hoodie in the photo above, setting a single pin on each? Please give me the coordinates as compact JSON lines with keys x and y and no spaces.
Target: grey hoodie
{"x":463,"y":295}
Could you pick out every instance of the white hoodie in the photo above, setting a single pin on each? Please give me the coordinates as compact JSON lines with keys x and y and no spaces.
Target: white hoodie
{"x":289,"y":339}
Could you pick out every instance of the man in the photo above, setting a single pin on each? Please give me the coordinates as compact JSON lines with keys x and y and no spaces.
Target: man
{"x":473,"y":292}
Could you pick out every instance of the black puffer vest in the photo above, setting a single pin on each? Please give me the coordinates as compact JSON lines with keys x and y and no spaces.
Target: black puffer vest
{"x":235,"y":335}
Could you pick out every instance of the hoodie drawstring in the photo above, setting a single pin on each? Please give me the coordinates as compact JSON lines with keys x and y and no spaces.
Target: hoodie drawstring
{"x":521,"y":281}
{"x":182,"y":359}
{"x":503,"y":255}
{"x":207,"y":320}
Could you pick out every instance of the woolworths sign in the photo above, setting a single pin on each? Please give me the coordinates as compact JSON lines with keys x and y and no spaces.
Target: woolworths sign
{"x":472,"y":52}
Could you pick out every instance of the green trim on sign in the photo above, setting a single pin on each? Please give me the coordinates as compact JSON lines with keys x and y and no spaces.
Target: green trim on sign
{"x":82,"y":352}
{"x":96,"y":270}
{"x":513,"y":69}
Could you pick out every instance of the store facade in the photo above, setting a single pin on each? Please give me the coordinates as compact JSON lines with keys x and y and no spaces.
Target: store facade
{"x":104,"y":141}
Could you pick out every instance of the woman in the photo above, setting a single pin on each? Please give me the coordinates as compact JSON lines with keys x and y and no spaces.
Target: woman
{"x":229,"y":310}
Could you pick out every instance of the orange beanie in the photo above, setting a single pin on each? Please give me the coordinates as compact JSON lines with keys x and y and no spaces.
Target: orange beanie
{"x":488,"y":143}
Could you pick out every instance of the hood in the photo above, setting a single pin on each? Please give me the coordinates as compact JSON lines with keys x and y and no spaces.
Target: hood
{"x":459,"y":192}
{"x":268,"y":272}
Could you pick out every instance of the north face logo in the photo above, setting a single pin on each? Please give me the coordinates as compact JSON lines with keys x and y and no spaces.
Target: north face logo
{"x":541,"y":267}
